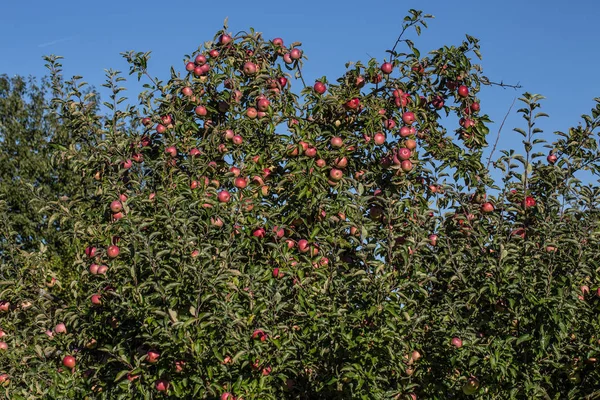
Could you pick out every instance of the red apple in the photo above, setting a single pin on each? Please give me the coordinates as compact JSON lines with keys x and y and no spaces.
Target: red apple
{"x":116,"y":206}
{"x":387,"y":68}
{"x":456,"y":342}
{"x":60,"y":328}
{"x":336,"y":174}
{"x":552,"y":158}
{"x":249,"y":68}
{"x":225,"y":39}
{"x":277,"y":42}
{"x":263,"y":104}
{"x":251,"y":112}
{"x":404,"y":153}
{"x":240,"y":182}
{"x":96,"y":299}
{"x":152,"y":356}
{"x":406,"y":165}
{"x":224,"y":196}
{"x":113,"y":251}
{"x":69,"y":362}
{"x":303,"y":245}
{"x":320,"y":87}
{"x":408,"y":117}
{"x":200,"y":111}
{"x":379,"y":138}
{"x":162,"y":385}
{"x":200,"y":59}
{"x":463,"y":91}
{"x":337,"y":142}
{"x":487,"y":207}
{"x":295,"y":54}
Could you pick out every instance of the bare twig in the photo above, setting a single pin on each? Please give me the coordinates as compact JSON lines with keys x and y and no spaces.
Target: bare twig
{"x":484,"y":80}
{"x":498,"y":136}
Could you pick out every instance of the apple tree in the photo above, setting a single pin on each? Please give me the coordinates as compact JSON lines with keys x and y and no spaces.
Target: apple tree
{"x":243,"y":233}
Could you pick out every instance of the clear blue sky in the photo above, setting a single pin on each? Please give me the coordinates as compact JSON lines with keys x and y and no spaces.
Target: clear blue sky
{"x":550,"y":46}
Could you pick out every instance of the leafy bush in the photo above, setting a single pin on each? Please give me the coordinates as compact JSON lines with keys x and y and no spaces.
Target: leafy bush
{"x":238,"y":237}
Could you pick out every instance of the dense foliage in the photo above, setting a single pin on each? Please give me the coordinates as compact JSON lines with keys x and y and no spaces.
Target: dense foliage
{"x":240,"y":234}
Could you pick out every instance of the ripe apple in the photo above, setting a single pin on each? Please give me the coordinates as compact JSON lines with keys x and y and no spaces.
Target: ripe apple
{"x":263,"y":104}
{"x":237,"y":139}
{"x":406,"y":165}
{"x":287,"y":58}
{"x":387,"y":68}
{"x":4,"y":379}
{"x":187,"y":91}
{"x":404,"y":153}
{"x":552,"y":158}
{"x":102,"y":269}
{"x":336,"y":142}
{"x":259,"y":233}
{"x":303,"y":246}
{"x":69,"y":362}
{"x":3,"y":346}
{"x":214,"y":53}
{"x":529,"y":202}
{"x":113,"y":251}
{"x":152,"y":356}
{"x":201,"y":111}
{"x":295,"y":54}
{"x":96,"y":299}
{"x":259,"y":334}
{"x":463,"y":91}
{"x":240,"y":182}
{"x":162,"y":385}
{"x":146,"y":121}
{"x":225,"y":39}
{"x":251,"y":112}
{"x":249,"y":68}
{"x":336,"y":174}
{"x":456,"y":342}
{"x":341,"y":162}
{"x":433,"y":239}
{"x":94,"y":269}
{"x":475,"y":107}
{"x":190,"y":66}
{"x":320,"y":87}
{"x":408,"y":117}
{"x":200,"y":59}
{"x":227,"y":396}
{"x":311,"y":152}
{"x":353,"y":104}
{"x":277,"y":42}
{"x":487,"y":207}
{"x":90,"y":251}
{"x":60,"y":328}
{"x":405,"y":131}
{"x":379,"y":138}
{"x":116,"y":206}
{"x":224,"y":196}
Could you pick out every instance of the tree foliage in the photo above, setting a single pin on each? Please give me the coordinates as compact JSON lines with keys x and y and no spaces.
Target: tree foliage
{"x":239,"y":234}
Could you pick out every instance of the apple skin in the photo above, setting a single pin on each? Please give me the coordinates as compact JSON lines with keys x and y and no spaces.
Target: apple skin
{"x":387,"y":68}
{"x":152,"y":356}
{"x":320,"y":87}
{"x":456,"y":342}
{"x":113,"y":251}
{"x":69,"y":362}
{"x":487,"y":207}
{"x":96,"y":299}
{"x":224,"y":196}
{"x":162,"y":385}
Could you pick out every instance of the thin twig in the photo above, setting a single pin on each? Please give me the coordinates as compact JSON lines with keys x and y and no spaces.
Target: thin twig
{"x":484,"y":80}
{"x":498,"y":136}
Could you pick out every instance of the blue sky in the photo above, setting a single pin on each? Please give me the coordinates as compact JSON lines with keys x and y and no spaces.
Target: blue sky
{"x":548,"y":46}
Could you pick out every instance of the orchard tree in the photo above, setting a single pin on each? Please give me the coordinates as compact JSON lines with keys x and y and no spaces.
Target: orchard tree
{"x":246,"y":234}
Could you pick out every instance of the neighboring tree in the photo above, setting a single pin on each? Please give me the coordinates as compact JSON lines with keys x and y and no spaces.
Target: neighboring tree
{"x":252,"y":240}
